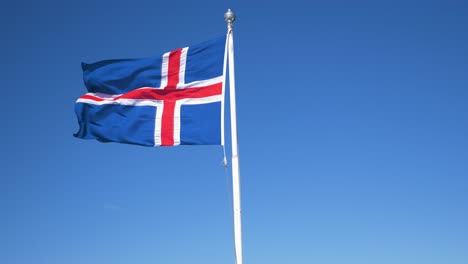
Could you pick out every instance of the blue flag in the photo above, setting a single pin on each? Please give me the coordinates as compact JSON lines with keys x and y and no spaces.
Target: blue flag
{"x":168,"y":100}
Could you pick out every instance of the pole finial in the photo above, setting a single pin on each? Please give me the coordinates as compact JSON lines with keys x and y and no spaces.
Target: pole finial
{"x":229,"y":17}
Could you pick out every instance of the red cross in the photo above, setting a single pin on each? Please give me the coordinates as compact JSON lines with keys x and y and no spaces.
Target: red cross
{"x":168,"y":95}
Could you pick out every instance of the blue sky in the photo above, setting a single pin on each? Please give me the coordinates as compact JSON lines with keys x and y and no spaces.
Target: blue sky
{"x":353,"y":136}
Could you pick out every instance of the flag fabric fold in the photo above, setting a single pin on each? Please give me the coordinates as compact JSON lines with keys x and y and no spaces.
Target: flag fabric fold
{"x":168,"y":100}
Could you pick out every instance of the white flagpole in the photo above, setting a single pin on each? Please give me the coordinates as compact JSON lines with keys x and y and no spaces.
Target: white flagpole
{"x":229,"y":17}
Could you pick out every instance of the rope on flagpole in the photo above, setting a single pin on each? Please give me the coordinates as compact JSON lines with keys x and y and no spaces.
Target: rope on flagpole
{"x":225,"y":162}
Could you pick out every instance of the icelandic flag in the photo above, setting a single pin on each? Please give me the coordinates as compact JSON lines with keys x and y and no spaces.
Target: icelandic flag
{"x":168,"y":100}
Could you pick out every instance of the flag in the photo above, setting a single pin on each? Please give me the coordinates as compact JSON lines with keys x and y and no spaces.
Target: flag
{"x":168,"y":100}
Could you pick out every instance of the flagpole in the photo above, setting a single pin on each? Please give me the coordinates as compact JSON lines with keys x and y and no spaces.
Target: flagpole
{"x":229,"y":17}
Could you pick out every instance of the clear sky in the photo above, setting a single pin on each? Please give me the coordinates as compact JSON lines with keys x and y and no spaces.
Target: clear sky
{"x":353,"y":136}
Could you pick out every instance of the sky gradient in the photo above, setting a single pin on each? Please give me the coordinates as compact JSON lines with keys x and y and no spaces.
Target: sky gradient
{"x":352,"y":125}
